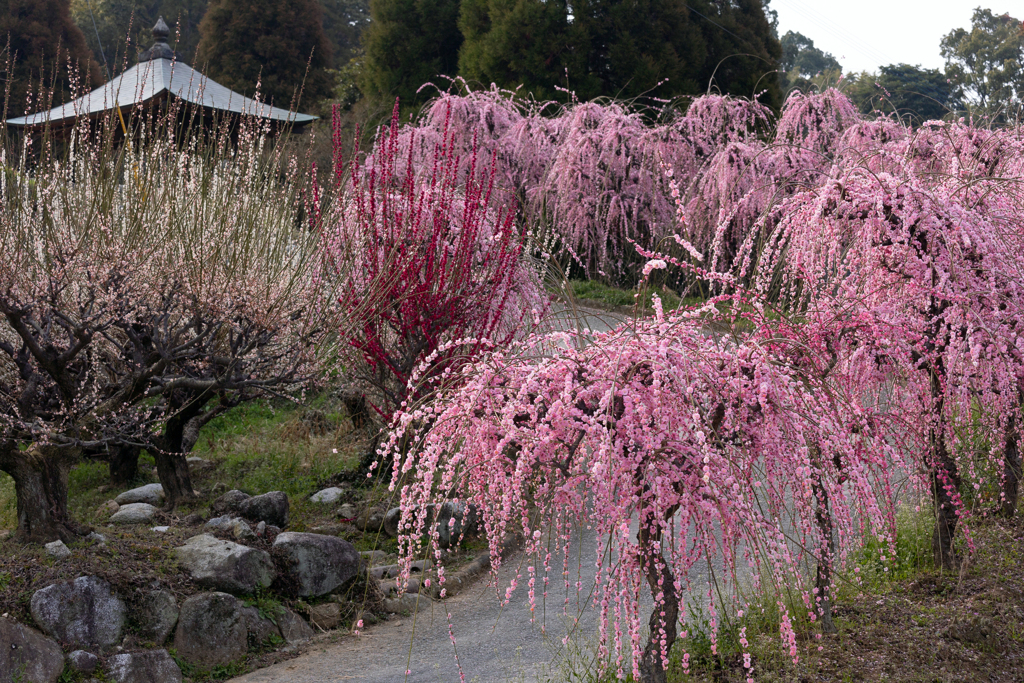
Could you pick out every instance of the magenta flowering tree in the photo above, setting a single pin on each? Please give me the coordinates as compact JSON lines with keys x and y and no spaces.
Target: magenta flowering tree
{"x":933,"y":268}
{"x":431,"y":264}
{"x":676,"y":446}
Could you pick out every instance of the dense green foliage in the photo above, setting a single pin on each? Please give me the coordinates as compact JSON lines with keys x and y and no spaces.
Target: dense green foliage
{"x":986,"y":63}
{"x":344,"y":21}
{"x":593,"y":48}
{"x":804,"y":66}
{"x":907,"y":90}
{"x":42,"y":40}
{"x":122,"y":27}
{"x":408,"y":43}
{"x":271,"y":42}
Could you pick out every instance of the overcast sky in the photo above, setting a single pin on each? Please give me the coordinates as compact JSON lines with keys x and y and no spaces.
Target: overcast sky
{"x":866,"y":34}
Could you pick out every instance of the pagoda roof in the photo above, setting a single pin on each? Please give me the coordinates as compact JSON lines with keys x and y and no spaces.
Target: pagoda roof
{"x":159,"y":71}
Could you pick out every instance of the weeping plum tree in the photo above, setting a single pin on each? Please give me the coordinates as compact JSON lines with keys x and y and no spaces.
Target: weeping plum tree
{"x":928,"y":274}
{"x":701,"y":439}
{"x":432,"y":263}
{"x":118,"y":336}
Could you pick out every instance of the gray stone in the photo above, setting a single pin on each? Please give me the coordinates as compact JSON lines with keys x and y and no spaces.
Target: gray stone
{"x":83,"y":662}
{"x":271,"y":508}
{"x":259,"y":628}
{"x":157,"y":616}
{"x":107,"y":509}
{"x":348,"y":511}
{"x":391,"y":519}
{"x":161,"y":529}
{"x":212,"y":630}
{"x":294,"y":628}
{"x":150,"y":493}
{"x":83,"y":613}
{"x":319,"y":563}
{"x":29,"y":654}
{"x":57,"y":550}
{"x":455,"y":519}
{"x":327,"y":496}
{"x":99,"y":539}
{"x":225,"y":565}
{"x":134,"y":513}
{"x":370,"y":520}
{"x":228,"y":502}
{"x":235,"y":526}
{"x":151,"y":666}
{"x":261,"y":529}
{"x":325,"y":616}
{"x":372,"y":558}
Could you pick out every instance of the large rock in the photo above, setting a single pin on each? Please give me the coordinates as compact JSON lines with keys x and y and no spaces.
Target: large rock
{"x":327,"y":496}
{"x":83,"y":614}
{"x":212,"y":630}
{"x":150,"y":493}
{"x":294,"y":628}
{"x":224,"y":565}
{"x":152,"y":666}
{"x":325,"y":616}
{"x":28,"y":654}
{"x":391,"y":520}
{"x":271,"y":508}
{"x":371,"y":520}
{"x":83,"y":662}
{"x":454,"y":520}
{"x":228,"y":503}
{"x":319,"y":564}
{"x":157,"y":616}
{"x":259,"y":627}
{"x":134,"y":513}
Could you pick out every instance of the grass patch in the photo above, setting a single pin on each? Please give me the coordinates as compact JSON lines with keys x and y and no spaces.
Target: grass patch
{"x":605,"y":296}
{"x":8,"y":503}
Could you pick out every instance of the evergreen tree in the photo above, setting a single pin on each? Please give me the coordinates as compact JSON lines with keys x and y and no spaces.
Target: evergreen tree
{"x":409,"y":43}
{"x":909,"y":91}
{"x":42,"y":38}
{"x":618,"y":48}
{"x":344,"y":22}
{"x":123,"y":27}
{"x":270,"y":41}
{"x":742,"y":52}
{"x":986,"y":64}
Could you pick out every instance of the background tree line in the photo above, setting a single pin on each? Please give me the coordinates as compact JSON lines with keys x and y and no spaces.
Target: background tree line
{"x":347,"y":50}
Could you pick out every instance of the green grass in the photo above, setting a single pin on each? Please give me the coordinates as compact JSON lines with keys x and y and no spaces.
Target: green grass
{"x":8,"y":503}
{"x":613,"y":297}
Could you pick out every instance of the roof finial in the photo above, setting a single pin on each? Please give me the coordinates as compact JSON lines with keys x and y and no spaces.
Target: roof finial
{"x":161,"y":30}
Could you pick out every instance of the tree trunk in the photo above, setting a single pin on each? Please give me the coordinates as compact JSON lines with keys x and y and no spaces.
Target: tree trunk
{"x":124,"y":465}
{"x":172,"y":468}
{"x":664,"y":616}
{"x":1011,"y":469}
{"x":41,"y":485}
{"x":945,"y":485}
{"x":827,"y":549}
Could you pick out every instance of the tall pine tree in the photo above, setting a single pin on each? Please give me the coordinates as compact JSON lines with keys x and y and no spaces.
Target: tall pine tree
{"x":42,"y":41}
{"x":620,"y":48}
{"x":407,"y":44}
{"x":270,"y":41}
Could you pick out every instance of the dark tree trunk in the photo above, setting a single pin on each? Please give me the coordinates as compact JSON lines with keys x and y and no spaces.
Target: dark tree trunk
{"x":172,"y":468}
{"x":945,"y":484}
{"x":827,"y":549}
{"x":180,"y":434}
{"x":1011,"y":470}
{"x":664,"y":616}
{"x":40,"y":476}
{"x":124,"y":465}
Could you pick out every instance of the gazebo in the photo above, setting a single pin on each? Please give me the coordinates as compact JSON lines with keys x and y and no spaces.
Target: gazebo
{"x":160,"y":76}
